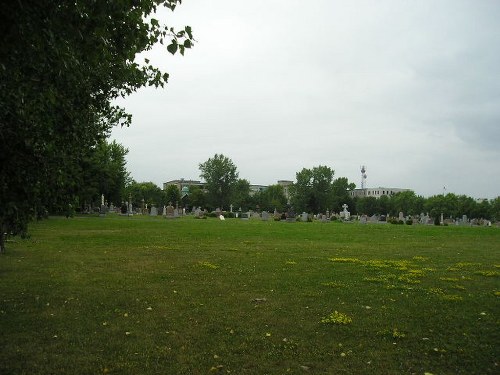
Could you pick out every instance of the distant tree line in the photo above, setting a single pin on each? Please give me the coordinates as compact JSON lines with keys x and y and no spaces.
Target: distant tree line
{"x":450,"y":205}
{"x":315,"y":190}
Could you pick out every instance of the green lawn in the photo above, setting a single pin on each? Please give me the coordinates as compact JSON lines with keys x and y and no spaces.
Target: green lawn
{"x":147,"y":295}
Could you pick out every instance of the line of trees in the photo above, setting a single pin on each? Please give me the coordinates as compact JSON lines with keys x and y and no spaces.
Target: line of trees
{"x":316,"y":190}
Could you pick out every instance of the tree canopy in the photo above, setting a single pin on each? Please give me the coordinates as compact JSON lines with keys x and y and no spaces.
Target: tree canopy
{"x":221,"y":176}
{"x":62,"y":63}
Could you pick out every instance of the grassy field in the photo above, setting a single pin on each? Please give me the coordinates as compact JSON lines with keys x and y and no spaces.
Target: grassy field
{"x":147,"y":295}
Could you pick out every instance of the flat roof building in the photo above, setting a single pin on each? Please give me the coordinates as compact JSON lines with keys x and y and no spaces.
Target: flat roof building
{"x":375,"y":192}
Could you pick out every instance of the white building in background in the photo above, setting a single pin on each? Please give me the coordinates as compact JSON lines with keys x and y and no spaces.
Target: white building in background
{"x":375,"y":192}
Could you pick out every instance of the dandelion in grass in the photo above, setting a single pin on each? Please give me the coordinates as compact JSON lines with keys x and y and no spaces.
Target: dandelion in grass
{"x":290,"y":262}
{"x":380,"y":279}
{"x":409,"y":279}
{"x":208,"y":265}
{"x":345,"y":260}
{"x":333,"y":284}
{"x":437,"y":291}
{"x":451,"y":279}
{"x":488,"y":273}
{"x":451,"y":297}
{"x":420,"y":258}
{"x":337,"y":318}
{"x":397,"y":334}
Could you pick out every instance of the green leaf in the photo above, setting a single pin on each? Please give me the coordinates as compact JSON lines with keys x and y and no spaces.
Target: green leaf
{"x":187,"y":43}
{"x":172,"y":48}
{"x":189,"y":32}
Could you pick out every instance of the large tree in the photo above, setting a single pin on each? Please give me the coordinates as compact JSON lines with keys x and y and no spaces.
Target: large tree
{"x":62,"y":63}
{"x":240,"y":195}
{"x":103,"y":172}
{"x":172,"y":194}
{"x":340,"y":194}
{"x":313,"y":190}
{"x":220,"y":175}
{"x":272,"y":198}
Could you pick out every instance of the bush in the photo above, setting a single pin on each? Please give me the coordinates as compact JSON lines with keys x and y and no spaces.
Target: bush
{"x":409,"y":222}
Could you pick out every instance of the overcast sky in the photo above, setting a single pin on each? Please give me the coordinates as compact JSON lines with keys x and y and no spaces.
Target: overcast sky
{"x":411,"y":89}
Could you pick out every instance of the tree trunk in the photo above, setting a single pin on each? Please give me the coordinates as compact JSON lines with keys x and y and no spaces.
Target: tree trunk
{"x":2,"y":239}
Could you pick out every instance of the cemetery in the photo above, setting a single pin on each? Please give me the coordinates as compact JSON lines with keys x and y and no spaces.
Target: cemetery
{"x":104,"y":274}
{"x":256,"y":293}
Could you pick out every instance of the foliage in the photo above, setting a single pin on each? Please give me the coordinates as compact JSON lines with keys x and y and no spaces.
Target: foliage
{"x":407,"y":202}
{"x":495,"y":209}
{"x":172,"y":194}
{"x":62,"y":64}
{"x":316,"y":191}
{"x":197,"y":197}
{"x":240,"y":195}
{"x":451,"y":205}
{"x":221,"y":176}
{"x":367,"y":206}
{"x":145,"y":192}
{"x":312,"y":190}
{"x":340,"y":194}
{"x":103,"y":173}
{"x":271,"y":198}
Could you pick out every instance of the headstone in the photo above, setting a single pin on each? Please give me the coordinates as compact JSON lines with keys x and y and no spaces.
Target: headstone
{"x":363,"y":219}
{"x":464,"y":219}
{"x":401,"y":216}
{"x":170,"y":211}
{"x":199,"y":213}
{"x":154,"y":211}
{"x":324,"y":219}
{"x":304,"y":216}
{"x":221,"y":217}
{"x":130,"y":211}
{"x":265,"y":215}
{"x":276,"y":215}
{"x":255,"y":215}
{"x":346,"y":214}
{"x":164,"y":213}
{"x":427,"y":219}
